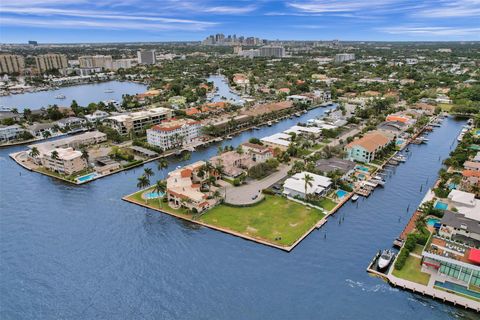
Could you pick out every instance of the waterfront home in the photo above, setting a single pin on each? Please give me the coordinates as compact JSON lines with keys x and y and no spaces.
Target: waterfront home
{"x":278,"y":140}
{"x":393,"y":127}
{"x":456,"y":226}
{"x":71,"y":122}
{"x":76,"y":141}
{"x":307,"y":131}
{"x":346,"y":167}
{"x":471,"y":165}
{"x":138,"y":121}
{"x":465,"y":203}
{"x":366,"y":148}
{"x":173,"y":133}
{"x":470,"y":178}
{"x":477,"y":157}
{"x":295,"y":185}
{"x":9,"y":133}
{"x":257,"y":152}
{"x":184,"y":188}
{"x":98,"y":115}
{"x":267,"y":108}
{"x":68,"y":161}
{"x":38,"y":129}
{"x":400,"y":117}
{"x":233,"y":163}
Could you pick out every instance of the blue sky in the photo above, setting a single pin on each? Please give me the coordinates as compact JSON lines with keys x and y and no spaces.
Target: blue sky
{"x":56,"y":21}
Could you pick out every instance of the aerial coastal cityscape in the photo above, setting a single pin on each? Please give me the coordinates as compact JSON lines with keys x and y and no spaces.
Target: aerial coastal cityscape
{"x":232,"y":174}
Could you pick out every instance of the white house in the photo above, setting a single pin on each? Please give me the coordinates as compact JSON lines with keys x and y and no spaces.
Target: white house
{"x":295,"y":185}
{"x":465,"y":203}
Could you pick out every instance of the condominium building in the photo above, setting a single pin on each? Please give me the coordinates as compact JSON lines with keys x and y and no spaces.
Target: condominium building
{"x":76,"y":141}
{"x":51,"y":61}
{"x":366,"y":148}
{"x":174,"y":133}
{"x":138,"y":121}
{"x":97,"y":61}
{"x":343,"y":57}
{"x":146,"y":57}
{"x":122,"y":64}
{"x":67,"y":161}
{"x":10,"y":63}
{"x":272,"y":51}
{"x":8,"y":133}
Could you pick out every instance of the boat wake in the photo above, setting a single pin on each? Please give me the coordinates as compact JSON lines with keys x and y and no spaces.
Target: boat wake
{"x":382,"y":287}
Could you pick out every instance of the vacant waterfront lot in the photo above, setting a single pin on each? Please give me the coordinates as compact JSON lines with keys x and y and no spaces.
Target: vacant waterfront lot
{"x":275,"y":220}
{"x":411,"y":271}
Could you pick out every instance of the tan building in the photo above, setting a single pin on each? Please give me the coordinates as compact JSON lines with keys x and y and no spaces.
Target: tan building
{"x":138,"y":121}
{"x":68,"y":161}
{"x":97,"y":61}
{"x":76,"y":141}
{"x":10,"y":63}
{"x":51,"y":61}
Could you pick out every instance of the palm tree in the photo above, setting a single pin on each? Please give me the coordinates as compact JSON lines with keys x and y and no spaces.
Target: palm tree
{"x":308,"y":182}
{"x":34,"y":152}
{"x":162,"y":164}
{"x":239,"y":150}
{"x":160,"y":188}
{"x":46,"y":134}
{"x":85,"y":155}
{"x":54,"y":155}
{"x":148,"y":172}
{"x":142,"y":183}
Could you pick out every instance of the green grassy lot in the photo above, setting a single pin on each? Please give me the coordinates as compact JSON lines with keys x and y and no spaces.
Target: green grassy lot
{"x":411,"y":271}
{"x":418,"y":249}
{"x":273,"y":218}
{"x":327,"y":204}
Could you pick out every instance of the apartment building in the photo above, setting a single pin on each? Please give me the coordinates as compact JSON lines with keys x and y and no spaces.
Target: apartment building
{"x":146,"y":57}
{"x":97,"y":61}
{"x":138,"y":121}
{"x":272,"y":51}
{"x":51,"y":61}
{"x":173,"y":133}
{"x":76,"y":141}
{"x":67,"y":160}
{"x":344,"y":57}
{"x":10,"y":63}
{"x":8,"y":133}
{"x":366,"y":148}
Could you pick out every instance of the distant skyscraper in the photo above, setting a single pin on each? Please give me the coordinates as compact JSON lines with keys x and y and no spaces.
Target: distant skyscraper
{"x":272,"y":51}
{"x":146,"y":57}
{"x":32,"y":43}
{"x":10,"y":63}
{"x":51,"y":61}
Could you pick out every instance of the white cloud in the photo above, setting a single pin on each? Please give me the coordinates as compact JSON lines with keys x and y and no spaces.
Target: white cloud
{"x":446,"y":9}
{"x":431,"y":31}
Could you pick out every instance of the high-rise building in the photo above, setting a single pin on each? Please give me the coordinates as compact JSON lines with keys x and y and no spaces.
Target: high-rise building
{"x":343,"y":57}
{"x":10,"y":63}
{"x":51,"y":61}
{"x":97,"y":61}
{"x":122,"y":64}
{"x":272,"y":51}
{"x":146,"y":57}
{"x":32,"y":43}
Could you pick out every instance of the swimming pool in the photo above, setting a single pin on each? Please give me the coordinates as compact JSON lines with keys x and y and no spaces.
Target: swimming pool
{"x":432,"y":221}
{"x":87,"y":177}
{"x":341,"y":193}
{"x":457,"y":288}
{"x":441,"y":205}
{"x":452,"y":185}
{"x":153,"y":195}
{"x":399,"y":141}
{"x":362,"y":168}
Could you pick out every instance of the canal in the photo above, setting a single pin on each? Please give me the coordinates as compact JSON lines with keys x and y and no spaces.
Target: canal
{"x":96,"y":92}
{"x":79,"y":252}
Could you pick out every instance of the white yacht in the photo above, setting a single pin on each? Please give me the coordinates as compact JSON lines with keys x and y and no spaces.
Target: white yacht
{"x":60,"y":96}
{"x":385,"y":259}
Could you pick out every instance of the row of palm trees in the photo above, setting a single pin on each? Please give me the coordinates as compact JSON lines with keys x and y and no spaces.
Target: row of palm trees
{"x":144,"y":180}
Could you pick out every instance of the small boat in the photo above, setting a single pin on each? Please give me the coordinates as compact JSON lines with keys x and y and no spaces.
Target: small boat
{"x":60,"y":96}
{"x":297,"y":114}
{"x":109,"y":91}
{"x":228,"y":137}
{"x":379,"y":182}
{"x":385,"y":259}
{"x":355,"y":197}
{"x":269,"y":123}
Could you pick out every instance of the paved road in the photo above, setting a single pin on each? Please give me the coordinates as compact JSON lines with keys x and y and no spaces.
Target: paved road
{"x":243,"y":194}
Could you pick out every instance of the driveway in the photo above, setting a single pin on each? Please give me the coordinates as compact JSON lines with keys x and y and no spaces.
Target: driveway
{"x":243,"y":195}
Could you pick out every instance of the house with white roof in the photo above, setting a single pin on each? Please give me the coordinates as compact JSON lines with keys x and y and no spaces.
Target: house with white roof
{"x":295,"y":185}
{"x":465,"y":203}
{"x":278,"y":140}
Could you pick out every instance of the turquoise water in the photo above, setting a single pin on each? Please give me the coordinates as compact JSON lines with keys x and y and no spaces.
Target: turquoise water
{"x":441,"y":205}
{"x":154,"y":195}
{"x":457,"y":288}
{"x":362,"y":168}
{"x":87,"y":177}
{"x":341,"y":193}
{"x":431,"y":221}
{"x":452,"y":185}
{"x":361,"y":176}
{"x":399,"y":141}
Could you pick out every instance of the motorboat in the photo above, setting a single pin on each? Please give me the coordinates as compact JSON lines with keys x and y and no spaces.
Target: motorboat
{"x":60,"y":96}
{"x":399,"y":158}
{"x":385,"y":259}
{"x":297,"y":114}
{"x":269,"y":123}
{"x":379,"y":182}
{"x":109,"y":91}
{"x":355,"y":197}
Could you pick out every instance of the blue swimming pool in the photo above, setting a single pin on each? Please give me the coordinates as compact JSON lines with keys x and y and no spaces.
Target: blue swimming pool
{"x":341,"y":193}
{"x":362,"y":168}
{"x":153,"y":195}
{"x":87,"y":177}
{"x":432,"y":221}
{"x":441,"y":205}
{"x":452,"y":185}
{"x":399,"y":141}
{"x":457,"y":288}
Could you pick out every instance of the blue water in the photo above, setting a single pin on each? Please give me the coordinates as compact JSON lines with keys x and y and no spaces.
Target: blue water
{"x":223,"y":89}
{"x":441,"y":205}
{"x":96,"y":93}
{"x":432,"y":221}
{"x":79,"y":252}
{"x":458,"y":288}
{"x":154,"y":195}
{"x":87,"y":177}
{"x":341,"y":193}
{"x":362,"y":168}
{"x":399,"y":141}
{"x":452,"y":185}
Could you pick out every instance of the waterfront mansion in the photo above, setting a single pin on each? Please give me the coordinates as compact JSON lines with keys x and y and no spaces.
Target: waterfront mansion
{"x":365,"y":149}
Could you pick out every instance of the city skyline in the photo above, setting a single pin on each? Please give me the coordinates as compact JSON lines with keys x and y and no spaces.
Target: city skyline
{"x":79,"y":21}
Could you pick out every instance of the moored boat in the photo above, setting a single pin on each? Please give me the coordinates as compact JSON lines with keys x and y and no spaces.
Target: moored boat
{"x":385,"y":259}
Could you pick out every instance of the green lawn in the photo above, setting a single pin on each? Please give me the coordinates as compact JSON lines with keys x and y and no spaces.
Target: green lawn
{"x":412,"y":271}
{"x":327,"y":204}
{"x":445,"y":106}
{"x":418,"y":249}
{"x":276,"y":219}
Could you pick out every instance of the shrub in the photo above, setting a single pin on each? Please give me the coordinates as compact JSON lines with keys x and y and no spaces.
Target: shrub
{"x":401,"y":259}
